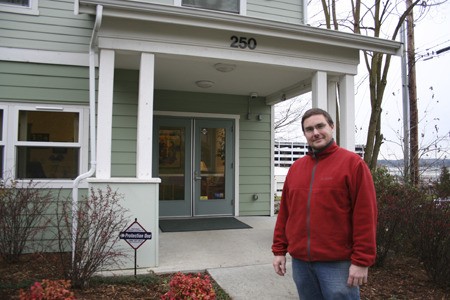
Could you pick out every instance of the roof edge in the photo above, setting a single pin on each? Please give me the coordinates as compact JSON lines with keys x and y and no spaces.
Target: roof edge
{"x":227,"y":21}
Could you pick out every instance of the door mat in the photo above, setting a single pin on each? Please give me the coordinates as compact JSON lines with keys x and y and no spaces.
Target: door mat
{"x":201,"y":224}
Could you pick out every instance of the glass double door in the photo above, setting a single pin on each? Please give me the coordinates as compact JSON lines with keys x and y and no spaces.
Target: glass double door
{"x":196,"y":166}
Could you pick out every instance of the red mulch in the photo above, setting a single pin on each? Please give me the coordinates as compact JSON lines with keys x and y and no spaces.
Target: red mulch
{"x":402,"y":278}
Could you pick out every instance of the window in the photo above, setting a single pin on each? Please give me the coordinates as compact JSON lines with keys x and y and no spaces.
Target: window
{"x":44,"y":142}
{"x":48,"y":145}
{"x":20,"y":6}
{"x":231,"y":6}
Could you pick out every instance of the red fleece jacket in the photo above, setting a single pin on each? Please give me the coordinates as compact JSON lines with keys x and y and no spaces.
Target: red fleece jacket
{"x":328,"y":209}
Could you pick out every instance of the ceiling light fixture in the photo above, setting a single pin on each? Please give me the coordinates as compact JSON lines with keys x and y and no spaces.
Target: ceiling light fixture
{"x":221,"y":67}
{"x":204,"y":84}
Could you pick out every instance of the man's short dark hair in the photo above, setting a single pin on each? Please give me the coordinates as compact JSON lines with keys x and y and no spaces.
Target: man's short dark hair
{"x":317,"y":111}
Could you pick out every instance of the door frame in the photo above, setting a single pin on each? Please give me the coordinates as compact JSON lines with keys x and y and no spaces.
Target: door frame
{"x":236,"y":119}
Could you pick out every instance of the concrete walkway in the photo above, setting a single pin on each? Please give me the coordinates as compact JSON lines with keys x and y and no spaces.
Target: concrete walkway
{"x":240,"y":260}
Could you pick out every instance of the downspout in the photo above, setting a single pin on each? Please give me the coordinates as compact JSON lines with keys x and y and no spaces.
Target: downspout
{"x":93,"y":139}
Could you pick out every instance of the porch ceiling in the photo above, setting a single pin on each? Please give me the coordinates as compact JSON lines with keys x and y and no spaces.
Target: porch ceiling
{"x":180,"y":73}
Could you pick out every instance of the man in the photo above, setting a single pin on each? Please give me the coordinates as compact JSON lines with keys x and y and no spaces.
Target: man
{"x":327,"y":218}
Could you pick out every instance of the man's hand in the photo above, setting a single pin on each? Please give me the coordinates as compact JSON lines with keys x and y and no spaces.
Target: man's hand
{"x":279,"y":264}
{"x":357,"y":275}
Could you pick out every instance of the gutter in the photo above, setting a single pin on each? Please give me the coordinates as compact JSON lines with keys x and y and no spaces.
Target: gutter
{"x":92,"y":100}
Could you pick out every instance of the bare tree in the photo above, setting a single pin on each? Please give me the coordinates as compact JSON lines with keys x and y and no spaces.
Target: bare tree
{"x":287,"y":114}
{"x":371,"y":20}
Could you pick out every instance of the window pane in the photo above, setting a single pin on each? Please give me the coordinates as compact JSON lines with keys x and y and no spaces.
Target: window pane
{"x":171,"y":163}
{"x":47,"y":162}
{"x":25,"y":3}
{"x":47,"y":126}
{"x":212,"y":163}
{"x":222,"y":5}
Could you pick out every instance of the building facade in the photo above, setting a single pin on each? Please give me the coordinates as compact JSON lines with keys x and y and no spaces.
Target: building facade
{"x":168,"y":101}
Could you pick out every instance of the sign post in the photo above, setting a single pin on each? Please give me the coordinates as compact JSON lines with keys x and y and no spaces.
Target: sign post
{"x":135,"y":235}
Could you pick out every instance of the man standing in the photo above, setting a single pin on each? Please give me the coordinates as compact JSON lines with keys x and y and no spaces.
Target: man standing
{"x":327,"y":218}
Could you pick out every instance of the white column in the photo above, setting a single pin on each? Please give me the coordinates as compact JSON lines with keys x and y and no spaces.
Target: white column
{"x":145,"y":117}
{"x":347,"y":105}
{"x":319,"y":90}
{"x":332,"y":107}
{"x":104,"y":118}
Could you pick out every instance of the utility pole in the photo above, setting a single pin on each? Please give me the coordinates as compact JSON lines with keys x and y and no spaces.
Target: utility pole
{"x":413,"y":111}
{"x":405,"y":98}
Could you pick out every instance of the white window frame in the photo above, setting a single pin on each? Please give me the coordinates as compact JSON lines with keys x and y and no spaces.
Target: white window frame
{"x":242,"y":7}
{"x":10,"y":139}
{"x":32,"y":9}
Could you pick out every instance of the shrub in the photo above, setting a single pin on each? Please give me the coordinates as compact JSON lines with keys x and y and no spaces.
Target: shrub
{"x":22,"y":216}
{"x":432,"y":241}
{"x":48,"y":290}
{"x":100,"y":218}
{"x":396,"y":206}
{"x":190,"y":287}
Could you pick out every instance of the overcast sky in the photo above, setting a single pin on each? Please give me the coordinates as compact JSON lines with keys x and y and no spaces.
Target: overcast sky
{"x":432,"y":33}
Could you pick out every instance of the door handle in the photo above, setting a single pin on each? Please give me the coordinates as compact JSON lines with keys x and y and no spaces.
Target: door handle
{"x":197,"y":176}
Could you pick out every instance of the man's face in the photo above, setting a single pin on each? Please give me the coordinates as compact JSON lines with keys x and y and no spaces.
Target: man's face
{"x":317,"y":131}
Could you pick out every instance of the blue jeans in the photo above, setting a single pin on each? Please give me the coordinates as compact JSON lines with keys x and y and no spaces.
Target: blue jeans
{"x":323,"y":280}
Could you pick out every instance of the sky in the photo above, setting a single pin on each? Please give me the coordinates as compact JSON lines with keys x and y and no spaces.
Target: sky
{"x":432,"y":33}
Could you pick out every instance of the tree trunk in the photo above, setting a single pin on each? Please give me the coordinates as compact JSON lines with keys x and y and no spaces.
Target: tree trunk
{"x":413,"y":123}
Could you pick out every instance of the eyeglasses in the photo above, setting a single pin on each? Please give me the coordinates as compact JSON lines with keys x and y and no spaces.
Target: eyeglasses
{"x":319,"y":126}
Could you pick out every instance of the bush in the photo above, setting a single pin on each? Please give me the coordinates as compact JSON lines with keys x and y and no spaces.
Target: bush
{"x":190,"y":287}
{"x":432,"y":241}
{"x":396,"y":206}
{"x":100,"y":218}
{"x":48,"y":290}
{"x":22,"y":216}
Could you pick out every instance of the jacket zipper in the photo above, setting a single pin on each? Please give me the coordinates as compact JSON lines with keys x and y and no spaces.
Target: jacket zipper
{"x":308,"y":210}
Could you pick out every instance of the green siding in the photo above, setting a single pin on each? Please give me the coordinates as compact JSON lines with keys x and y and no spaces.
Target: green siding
{"x":56,"y":28}
{"x":28,"y":82}
{"x":288,"y":11}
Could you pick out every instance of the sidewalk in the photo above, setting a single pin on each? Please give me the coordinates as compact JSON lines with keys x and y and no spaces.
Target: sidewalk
{"x":239,"y":260}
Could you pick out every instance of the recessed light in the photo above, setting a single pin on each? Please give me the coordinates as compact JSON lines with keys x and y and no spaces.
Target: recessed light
{"x":204,"y":83}
{"x":221,"y":67}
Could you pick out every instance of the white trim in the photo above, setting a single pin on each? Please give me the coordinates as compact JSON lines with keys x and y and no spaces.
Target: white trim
{"x":44,"y":57}
{"x":305,"y":11}
{"x":194,"y":114}
{"x":33,"y":9}
{"x":242,"y":7}
{"x":123,"y":180}
{"x":268,"y":57}
{"x":236,"y":142}
{"x":10,"y":140}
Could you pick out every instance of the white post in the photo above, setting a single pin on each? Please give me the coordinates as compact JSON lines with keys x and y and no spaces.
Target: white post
{"x":104,"y":119}
{"x":332,"y":107}
{"x":145,"y":117}
{"x":347,"y":105}
{"x":319,"y":90}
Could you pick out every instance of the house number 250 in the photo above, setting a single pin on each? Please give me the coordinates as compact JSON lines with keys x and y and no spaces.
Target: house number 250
{"x":242,"y":42}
